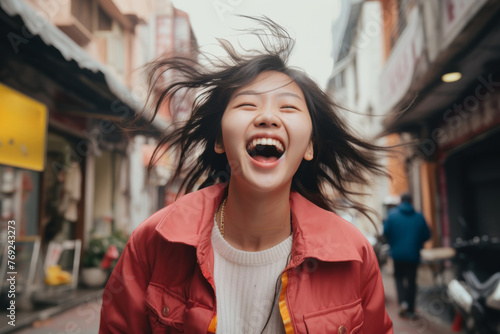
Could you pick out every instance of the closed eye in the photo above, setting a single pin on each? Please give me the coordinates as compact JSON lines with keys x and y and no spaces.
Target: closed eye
{"x":246,"y":105}
{"x":290,"y":107}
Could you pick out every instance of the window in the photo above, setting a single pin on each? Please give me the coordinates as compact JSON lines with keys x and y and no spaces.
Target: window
{"x":82,"y":11}
{"x":113,"y":47}
{"x":104,"y":22}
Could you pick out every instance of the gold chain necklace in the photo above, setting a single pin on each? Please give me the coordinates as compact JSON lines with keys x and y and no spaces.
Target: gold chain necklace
{"x":222,"y":212}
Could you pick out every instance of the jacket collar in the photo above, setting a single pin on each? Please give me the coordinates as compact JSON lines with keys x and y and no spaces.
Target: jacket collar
{"x":317,"y":233}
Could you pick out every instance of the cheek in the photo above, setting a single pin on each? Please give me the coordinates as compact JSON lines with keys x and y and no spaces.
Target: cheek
{"x":302,"y":132}
{"x":230,"y":128}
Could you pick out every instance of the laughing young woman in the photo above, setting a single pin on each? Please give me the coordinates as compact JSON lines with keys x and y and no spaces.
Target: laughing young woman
{"x":258,"y":249}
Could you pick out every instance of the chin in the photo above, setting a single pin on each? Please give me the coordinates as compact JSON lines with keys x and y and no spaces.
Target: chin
{"x":267,"y":184}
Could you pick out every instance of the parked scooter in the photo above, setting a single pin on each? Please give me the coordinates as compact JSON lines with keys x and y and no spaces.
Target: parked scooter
{"x":476,"y":291}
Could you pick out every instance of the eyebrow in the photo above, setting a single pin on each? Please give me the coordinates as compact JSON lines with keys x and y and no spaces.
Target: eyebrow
{"x":252,"y":92}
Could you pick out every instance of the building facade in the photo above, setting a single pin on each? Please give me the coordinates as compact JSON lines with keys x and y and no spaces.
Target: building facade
{"x":358,"y":61}
{"x":439,"y":89}
{"x":70,"y":75}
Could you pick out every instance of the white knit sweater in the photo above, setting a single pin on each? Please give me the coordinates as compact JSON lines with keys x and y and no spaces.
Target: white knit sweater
{"x":245,"y":283}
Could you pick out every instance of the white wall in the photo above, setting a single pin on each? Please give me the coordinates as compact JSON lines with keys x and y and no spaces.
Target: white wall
{"x":368,"y":62}
{"x":362,"y":69}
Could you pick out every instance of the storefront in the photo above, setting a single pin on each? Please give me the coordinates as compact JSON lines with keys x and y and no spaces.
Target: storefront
{"x":469,"y":172}
{"x":22,"y":147}
{"x":63,"y":161}
{"x":62,"y":194}
{"x":23,"y":133}
{"x":451,"y":123}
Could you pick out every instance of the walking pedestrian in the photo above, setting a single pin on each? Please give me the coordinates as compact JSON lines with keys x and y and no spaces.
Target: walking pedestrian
{"x":406,"y":231}
{"x":258,"y":248}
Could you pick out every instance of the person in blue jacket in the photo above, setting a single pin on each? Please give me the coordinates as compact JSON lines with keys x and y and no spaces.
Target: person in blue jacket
{"x":406,"y":231}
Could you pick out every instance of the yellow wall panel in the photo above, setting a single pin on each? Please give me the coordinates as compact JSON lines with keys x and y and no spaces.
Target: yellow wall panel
{"x":23,"y":130}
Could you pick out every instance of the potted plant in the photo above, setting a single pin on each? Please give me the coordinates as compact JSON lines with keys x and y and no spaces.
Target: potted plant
{"x":100,"y":258}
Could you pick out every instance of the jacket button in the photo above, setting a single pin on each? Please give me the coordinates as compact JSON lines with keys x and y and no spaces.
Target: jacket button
{"x":164,"y":311}
{"x":342,"y":330}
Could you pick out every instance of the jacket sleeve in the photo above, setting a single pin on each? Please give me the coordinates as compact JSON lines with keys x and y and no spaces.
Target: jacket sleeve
{"x":376,"y":319}
{"x":123,"y":305}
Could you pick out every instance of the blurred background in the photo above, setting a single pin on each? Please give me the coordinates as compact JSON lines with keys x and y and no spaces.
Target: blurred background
{"x":424,"y":74}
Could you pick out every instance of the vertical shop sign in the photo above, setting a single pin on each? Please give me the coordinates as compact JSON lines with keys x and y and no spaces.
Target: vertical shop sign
{"x":182,"y":36}
{"x":164,"y":35}
{"x":445,"y":222}
{"x":397,"y":76}
{"x":23,"y":130}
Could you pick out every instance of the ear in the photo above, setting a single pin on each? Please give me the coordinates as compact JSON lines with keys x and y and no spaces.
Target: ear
{"x":309,"y":155}
{"x":219,"y":147}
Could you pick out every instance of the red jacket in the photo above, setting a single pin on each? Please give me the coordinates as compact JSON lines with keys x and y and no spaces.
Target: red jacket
{"x":163,"y":282}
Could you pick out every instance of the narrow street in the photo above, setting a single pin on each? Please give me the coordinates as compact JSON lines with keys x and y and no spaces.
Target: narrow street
{"x":386,"y":112}
{"x":84,"y":319}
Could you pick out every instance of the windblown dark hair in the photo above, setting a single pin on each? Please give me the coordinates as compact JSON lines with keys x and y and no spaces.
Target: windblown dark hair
{"x":341,"y":162}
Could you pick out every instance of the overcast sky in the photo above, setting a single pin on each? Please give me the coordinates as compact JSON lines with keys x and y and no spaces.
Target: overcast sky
{"x":309,"y":22}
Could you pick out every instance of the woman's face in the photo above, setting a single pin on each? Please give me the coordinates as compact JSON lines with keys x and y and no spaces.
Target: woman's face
{"x":266,"y":132}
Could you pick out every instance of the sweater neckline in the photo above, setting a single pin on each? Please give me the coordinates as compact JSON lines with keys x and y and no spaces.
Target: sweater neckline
{"x":245,"y":258}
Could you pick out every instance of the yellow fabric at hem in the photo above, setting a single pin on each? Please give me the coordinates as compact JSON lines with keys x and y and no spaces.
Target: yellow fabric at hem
{"x":285,"y":315}
{"x":213,"y":325}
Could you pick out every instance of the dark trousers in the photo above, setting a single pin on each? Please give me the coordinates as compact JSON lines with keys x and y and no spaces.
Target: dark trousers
{"x":405,"y":274}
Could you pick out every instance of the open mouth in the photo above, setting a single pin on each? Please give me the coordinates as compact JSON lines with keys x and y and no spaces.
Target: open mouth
{"x":265,"y":149}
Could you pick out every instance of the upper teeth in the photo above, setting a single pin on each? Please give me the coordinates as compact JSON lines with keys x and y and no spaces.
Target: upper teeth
{"x":265,"y":141}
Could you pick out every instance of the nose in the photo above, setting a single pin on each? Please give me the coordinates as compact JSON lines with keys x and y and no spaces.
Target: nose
{"x":267,"y":118}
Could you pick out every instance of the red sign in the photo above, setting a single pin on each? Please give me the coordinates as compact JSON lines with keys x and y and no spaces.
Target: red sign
{"x":400,"y":68}
{"x":462,"y":125}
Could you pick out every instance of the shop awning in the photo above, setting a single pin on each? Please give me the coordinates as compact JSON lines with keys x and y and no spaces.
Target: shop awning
{"x":69,"y":51}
